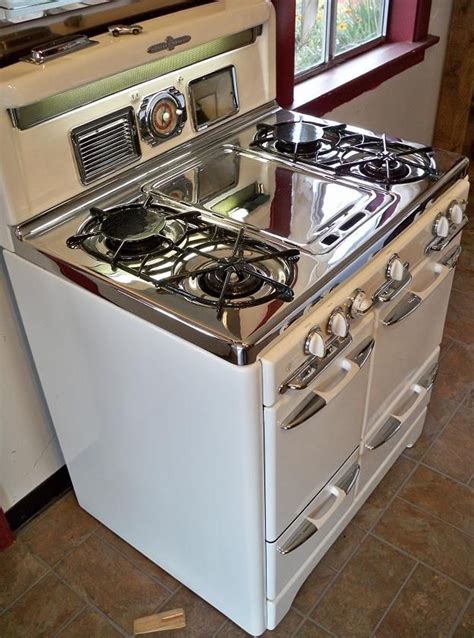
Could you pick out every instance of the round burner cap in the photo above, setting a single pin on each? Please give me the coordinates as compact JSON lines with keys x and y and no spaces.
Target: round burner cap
{"x":299,"y":133}
{"x":132,"y":223}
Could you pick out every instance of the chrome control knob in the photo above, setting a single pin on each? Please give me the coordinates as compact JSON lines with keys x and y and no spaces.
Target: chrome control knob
{"x":396,"y":268}
{"x":315,"y":344}
{"x":456,"y":211}
{"x":338,"y":325}
{"x":441,"y":226}
{"x":360,"y":303}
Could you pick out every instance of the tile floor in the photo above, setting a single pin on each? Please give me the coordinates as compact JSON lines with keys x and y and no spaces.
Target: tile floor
{"x":404,"y":568}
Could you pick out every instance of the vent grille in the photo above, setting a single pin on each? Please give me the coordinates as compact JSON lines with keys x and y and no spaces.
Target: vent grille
{"x":103,"y":146}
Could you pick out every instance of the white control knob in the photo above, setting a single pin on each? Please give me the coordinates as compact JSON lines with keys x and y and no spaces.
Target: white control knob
{"x":360,"y":303}
{"x":456,"y":212}
{"x":441,"y":226}
{"x":396,"y":269}
{"x":314,"y":344}
{"x":338,"y":324}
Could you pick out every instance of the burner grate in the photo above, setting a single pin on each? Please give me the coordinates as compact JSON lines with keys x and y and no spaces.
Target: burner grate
{"x":209,"y":265}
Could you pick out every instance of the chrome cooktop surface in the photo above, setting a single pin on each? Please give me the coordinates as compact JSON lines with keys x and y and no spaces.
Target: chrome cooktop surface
{"x":227,"y":242}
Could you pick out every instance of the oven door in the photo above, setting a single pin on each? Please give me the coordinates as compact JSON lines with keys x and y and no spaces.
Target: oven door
{"x":409,"y":328}
{"x":310,"y":433}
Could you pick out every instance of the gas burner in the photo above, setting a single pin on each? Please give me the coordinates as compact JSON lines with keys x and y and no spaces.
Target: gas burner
{"x":132,"y":231}
{"x":300,"y":139}
{"x":386,"y":163}
{"x":233,"y":271}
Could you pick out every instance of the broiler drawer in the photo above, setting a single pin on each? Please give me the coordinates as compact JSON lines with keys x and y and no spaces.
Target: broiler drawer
{"x":292,"y":556}
{"x":400,"y":427}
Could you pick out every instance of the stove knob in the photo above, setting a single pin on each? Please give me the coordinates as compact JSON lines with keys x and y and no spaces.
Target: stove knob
{"x":314,"y":343}
{"x":396,"y":268}
{"x":360,"y":303}
{"x":441,"y":226}
{"x":338,"y":324}
{"x":456,"y":211}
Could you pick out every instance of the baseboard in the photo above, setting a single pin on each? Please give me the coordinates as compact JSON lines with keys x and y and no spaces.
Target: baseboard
{"x":35,"y":501}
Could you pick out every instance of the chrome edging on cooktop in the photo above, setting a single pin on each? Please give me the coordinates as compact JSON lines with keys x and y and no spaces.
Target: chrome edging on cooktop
{"x":237,"y":352}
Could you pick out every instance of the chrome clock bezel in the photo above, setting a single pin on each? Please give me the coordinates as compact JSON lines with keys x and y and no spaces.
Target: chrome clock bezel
{"x":145,"y":115}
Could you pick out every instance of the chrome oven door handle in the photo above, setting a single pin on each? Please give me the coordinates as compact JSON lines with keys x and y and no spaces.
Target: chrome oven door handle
{"x":404,"y":309}
{"x":318,"y":400}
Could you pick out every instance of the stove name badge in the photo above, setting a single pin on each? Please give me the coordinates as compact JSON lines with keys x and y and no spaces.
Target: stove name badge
{"x":169,"y":44}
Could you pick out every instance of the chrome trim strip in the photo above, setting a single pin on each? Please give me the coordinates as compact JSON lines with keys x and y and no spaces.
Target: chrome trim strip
{"x":428,"y":379}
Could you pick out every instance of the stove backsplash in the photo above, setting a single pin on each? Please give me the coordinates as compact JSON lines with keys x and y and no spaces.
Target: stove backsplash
{"x":56,"y":115}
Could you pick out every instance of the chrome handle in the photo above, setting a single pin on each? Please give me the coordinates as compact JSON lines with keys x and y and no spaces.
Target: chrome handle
{"x":440,"y":243}
{"x":314,"y":404}
{"x":404,"y":309}
{"x":300,"y":536}
{"x":451,"y":259}
{"x":363,"y":355}
{"x":349,"y":480}
{"x":389,"y":429}
{"x":55,"y":48}
{"x":428,"y":379}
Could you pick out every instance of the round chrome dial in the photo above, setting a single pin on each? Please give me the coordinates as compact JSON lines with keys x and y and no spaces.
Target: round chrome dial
{"x":359,"y":304}
{"x":338,"y":324}
{"x":315,"y":344}
{"x":441,"y":226}
{"x":395,"y":268}
{"x":456,"y":211}
{"x":162,"y":116}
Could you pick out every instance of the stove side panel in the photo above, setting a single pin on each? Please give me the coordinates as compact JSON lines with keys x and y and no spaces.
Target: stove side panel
{"x":163,"y":440}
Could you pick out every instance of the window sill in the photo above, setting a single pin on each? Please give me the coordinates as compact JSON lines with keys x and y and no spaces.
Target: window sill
{"x":341,"y":83}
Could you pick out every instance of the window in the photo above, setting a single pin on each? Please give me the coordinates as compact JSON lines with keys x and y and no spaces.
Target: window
{"x":327,"y":31}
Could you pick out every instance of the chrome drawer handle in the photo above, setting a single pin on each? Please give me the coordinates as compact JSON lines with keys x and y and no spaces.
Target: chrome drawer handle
{"x":300,"y":536}
{"x":440,"y":243}
{"x":349,"y":480}
{"x":428,"y":379}
{"x":387,"y":431}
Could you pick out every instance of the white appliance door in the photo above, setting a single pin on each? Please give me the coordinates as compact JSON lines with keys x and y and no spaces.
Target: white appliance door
{"x":409,"y":328}
{"x":310,"y":433}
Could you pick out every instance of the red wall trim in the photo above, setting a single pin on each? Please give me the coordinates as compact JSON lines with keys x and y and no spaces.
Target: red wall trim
{"x":285,"y":51}
{"x":408,"y":20}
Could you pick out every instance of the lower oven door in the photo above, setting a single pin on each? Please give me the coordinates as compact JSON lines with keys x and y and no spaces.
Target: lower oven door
{"x":310,"y":433}
{"x":408,"y":329}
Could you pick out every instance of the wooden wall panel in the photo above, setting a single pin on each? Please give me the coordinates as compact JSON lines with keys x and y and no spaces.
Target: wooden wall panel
{"x":458,"y":80}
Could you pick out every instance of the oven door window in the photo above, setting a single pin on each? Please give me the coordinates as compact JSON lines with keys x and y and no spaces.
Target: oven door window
{"x":214,"y":97}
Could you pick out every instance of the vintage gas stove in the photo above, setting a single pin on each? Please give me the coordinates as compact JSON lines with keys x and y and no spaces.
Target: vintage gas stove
{"x":248,"y":302}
